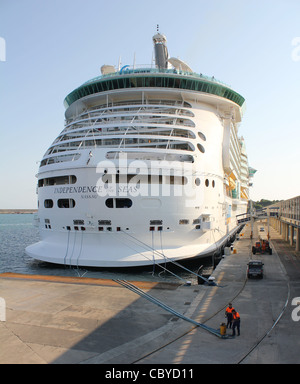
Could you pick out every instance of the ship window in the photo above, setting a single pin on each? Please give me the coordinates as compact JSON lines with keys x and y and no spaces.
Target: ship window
{"x":213,"y":184}
{"x":104,"y":222}
{"x":200,"y":85}
{"x":156,"y":222}
{"x":143,"y":179}
{"x":201,"y":148}
{"x":202,"y":136}
{"x":59,"y":180}
{"x":123,"y":203}
{"x":184,"y":221}
{"x":197,"y":181}
{"x":60,"y":159}
{"x":66,"y":203}
{"x":206,"y":182}
{"x":78,"y":222}
{"x":150,"y":156}
{"x":118,"y":203}
{"x":48,"y":203}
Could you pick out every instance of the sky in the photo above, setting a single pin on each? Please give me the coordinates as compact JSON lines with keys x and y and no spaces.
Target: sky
{"x":50,"y":47}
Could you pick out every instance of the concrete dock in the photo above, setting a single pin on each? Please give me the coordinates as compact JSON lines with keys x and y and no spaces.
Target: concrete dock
{"x":79,"y":320}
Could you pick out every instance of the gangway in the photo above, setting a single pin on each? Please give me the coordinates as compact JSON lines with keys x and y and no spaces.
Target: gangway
{"x":255,"y":215}
{"x":245,"y":217}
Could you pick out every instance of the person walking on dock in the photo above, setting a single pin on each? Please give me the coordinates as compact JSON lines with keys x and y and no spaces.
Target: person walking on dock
{"x":236,"y":322}
{"x":228,"y":314}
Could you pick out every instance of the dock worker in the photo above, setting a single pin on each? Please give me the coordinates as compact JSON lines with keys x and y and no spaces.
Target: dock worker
{"x":236,"y":322}
{"x":228,"y":314}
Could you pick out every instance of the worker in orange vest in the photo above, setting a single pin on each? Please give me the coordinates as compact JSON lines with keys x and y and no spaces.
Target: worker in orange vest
{"x":236,"y":322}
{"x":228,"y":314}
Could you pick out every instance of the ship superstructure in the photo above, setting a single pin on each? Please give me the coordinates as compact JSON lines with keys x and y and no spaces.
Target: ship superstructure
{"x":148,"y":168}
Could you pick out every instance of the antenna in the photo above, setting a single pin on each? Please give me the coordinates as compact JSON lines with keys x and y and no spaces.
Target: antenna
{"x":134,"y":61}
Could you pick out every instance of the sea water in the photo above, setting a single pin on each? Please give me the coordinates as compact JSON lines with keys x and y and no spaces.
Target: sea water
{"x":17,"y":232}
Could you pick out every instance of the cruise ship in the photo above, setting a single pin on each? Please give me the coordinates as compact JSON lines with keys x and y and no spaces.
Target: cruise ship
{"x":148,"y":169}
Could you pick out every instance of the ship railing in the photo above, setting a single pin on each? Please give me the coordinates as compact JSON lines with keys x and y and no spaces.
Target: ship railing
{"x":137,"y":131}
{"x":103,"y":124}
{"x":107,"y":109}
{"x":121,"y":115}
{"x":138,"y":142}
{"x":146,"y":68}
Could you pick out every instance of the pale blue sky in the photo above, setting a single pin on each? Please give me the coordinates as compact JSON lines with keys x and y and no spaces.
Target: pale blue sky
{"x":53,"y":46}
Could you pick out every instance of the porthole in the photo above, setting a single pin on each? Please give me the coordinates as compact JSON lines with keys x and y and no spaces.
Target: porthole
{"x":206,"y":182}
{"x":202,"y":136}
{"x":66,"y":203}
{"x":197,"y":181}
{"x":109,"y":203}
{"x":213,"y":184}
{"x":48,"y":203}
{"x":118,"y":203}
{"x":201,"y":148}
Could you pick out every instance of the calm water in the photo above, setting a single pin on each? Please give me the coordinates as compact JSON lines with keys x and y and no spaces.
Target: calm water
{"x":17,"y":232}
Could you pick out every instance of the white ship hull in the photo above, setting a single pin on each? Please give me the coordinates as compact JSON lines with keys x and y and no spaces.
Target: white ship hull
{"x":141,"y":175}
{"x":128,"y":236}
{"x":116,"y":252}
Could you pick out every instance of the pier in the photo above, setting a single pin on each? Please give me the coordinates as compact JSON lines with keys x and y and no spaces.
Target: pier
{"x":18,"y":211}
{"x":52,"y":319}
{"x":286,"y":220}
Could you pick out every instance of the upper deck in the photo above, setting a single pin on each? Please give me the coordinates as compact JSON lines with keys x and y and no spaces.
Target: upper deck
{"x":154,"y":78}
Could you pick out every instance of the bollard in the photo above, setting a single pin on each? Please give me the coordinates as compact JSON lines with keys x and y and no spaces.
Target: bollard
{"x":222,"y":329}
